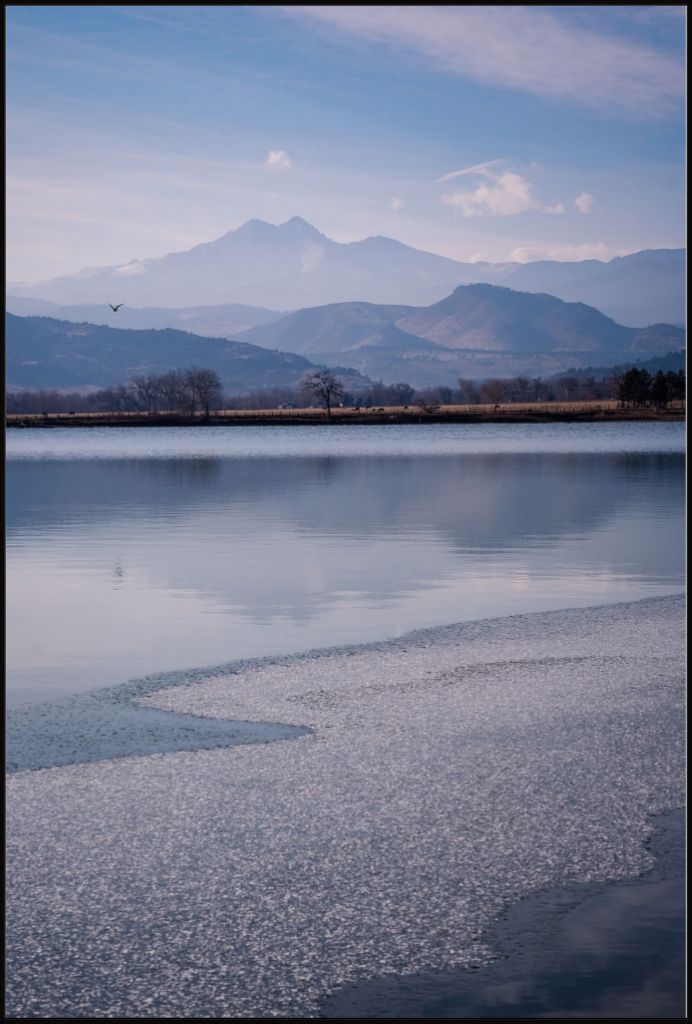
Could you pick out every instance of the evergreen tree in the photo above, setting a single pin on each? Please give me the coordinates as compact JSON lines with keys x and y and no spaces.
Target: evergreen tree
{"x":660,"y":390}
{"x":636,"y":386}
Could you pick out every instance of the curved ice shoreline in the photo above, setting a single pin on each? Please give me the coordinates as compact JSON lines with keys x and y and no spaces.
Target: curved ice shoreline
{"x":591,"y":950}
{"x":141,"y":717}
{"x":445,"y":776}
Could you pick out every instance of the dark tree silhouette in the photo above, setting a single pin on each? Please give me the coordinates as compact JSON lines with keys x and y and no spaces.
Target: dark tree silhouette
{"x":494,"y":390}
{"x":677,"y":383}
{"x":325,"y":386}
{"x":204,"y":386}
{"x":636,"y":386}
{"x":660,"y":390}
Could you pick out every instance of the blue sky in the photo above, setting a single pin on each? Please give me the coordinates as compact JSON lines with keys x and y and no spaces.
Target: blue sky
{"x":475,"y":132}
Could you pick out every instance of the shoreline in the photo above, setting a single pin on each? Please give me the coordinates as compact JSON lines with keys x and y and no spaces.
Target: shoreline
{"x":589,"y":412}
{"x":608,"y":950}
{"x":129,"y":719}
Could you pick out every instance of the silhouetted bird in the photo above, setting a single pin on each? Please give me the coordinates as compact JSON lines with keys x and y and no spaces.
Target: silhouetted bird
{"x":116,"y":308}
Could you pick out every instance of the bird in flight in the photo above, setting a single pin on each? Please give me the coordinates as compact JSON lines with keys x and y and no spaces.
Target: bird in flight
{"x":116,"y":308}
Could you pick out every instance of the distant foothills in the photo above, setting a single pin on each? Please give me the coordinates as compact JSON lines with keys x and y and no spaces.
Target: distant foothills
{"x":479,"y":332}
{"x":655,"y":384}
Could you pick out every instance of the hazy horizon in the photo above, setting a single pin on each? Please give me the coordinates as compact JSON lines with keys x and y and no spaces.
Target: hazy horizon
{"x":519,"y":262}
{"x":478,"y":134}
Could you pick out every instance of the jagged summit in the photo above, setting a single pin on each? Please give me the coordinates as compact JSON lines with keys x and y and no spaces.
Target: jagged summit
{"x":256,"y":224}
{"x":299,"y":223}
{"x":262,"y":232}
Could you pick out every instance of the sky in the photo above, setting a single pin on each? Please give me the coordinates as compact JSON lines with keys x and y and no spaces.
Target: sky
{"x":479,"y":133}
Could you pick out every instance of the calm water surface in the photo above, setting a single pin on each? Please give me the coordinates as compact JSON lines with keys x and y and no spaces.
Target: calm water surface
{"x":137,"y":551}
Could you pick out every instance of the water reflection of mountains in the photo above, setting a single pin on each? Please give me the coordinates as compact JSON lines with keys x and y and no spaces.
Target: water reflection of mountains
{"x":480,"y":501}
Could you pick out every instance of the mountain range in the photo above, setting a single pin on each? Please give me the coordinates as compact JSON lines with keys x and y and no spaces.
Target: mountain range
{"x":225,"y":321}
{"x":45,"y":354}
{"x":671,"y":362}
{"x":478,"y":331}
{"x":293,"y":265}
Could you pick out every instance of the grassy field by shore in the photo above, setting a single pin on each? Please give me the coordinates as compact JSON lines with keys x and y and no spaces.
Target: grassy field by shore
{"x":600,"y":410}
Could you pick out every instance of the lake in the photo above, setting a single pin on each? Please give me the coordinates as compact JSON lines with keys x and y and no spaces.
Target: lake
{"x":410,"y":738}
{"x":139,"y":551}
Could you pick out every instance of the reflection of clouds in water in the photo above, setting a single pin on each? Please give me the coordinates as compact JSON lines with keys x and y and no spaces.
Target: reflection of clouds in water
{"x":489,"y":499}
{"x":238,"y":557}
{"x":314,"y":580}
{"x":272,"y":536}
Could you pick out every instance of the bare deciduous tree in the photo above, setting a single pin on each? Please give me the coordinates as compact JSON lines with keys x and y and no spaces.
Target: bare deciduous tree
{"x":204,"y":386}
{"x":147,"y":392}
{"x":469,"y":391}
{"x":494,"y":390}
{"x":172,"y":390}
{"x":325,"y":386}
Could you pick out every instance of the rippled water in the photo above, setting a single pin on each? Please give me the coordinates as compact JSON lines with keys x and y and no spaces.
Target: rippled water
{"x":144,"y":550}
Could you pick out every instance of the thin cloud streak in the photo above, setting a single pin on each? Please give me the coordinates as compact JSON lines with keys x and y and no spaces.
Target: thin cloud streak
{"x":476,"y":169}
{"x":523,"y":48}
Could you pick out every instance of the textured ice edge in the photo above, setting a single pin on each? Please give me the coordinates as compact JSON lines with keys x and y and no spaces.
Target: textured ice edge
{"x":447,"y":774}
{"x":582,"y":950}
{"x":113,"y":722}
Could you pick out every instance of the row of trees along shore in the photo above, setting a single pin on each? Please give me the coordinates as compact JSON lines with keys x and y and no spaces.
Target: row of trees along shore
{"x":197,"y":389}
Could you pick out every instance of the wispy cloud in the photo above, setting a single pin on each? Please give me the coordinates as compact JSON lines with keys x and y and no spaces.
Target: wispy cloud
{"x":278,"y":160}
{"x":65,"y":51}
{"x":476,"y":169}
{"x":396,"y":202}
{"x":525,"y":48}
{"x":585,"y":251}
{"x":503,"y":195}
{"x":584,"y":202}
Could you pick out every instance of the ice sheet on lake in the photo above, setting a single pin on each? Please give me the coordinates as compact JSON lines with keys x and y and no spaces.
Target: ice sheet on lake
{"x":447,"y":774}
